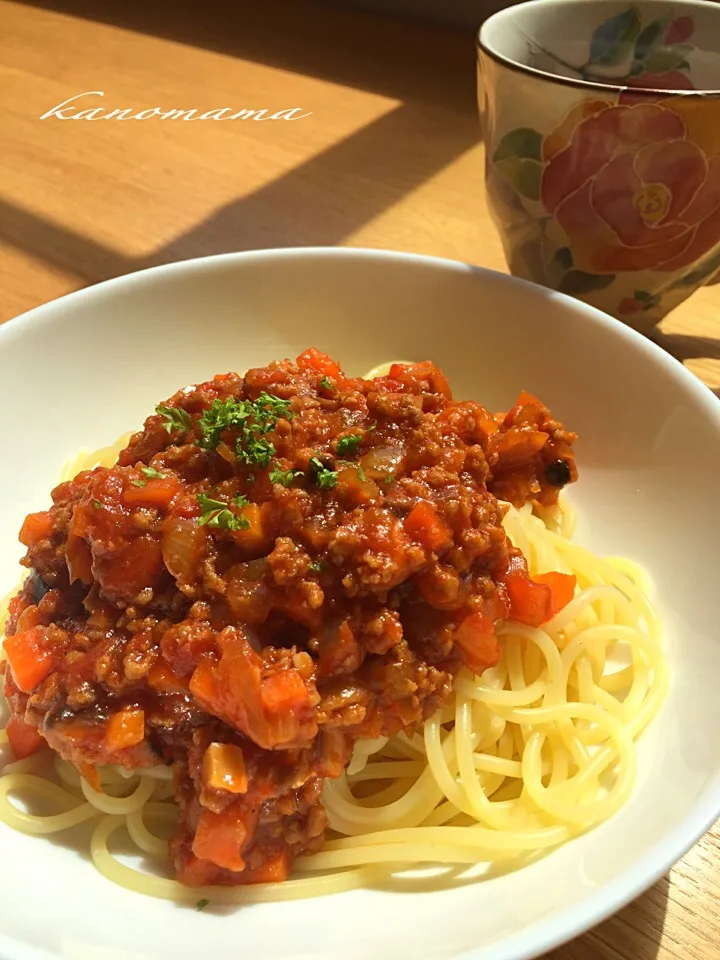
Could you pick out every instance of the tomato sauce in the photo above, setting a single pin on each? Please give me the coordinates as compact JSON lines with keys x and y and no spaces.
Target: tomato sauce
{"x":277,"y":565}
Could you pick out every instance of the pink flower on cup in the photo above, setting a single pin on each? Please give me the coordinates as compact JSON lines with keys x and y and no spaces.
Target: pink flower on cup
{"x":663,"y":68}
{"x":668,"y":80}
{"x":679,"y":30}
{"x":632,"y":187}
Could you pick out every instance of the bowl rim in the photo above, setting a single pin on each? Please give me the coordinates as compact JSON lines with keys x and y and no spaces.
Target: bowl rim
{"x":508,"y":13}
{"x":601,"y":903}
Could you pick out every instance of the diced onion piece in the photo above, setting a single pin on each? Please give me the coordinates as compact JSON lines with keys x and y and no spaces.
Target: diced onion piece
{"x":223,"y":768}
{"x":382,"y":462}
{"x":184,"y":543}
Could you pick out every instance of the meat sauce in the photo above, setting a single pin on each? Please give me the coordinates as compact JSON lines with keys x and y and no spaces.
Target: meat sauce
{"x":277,"y":565}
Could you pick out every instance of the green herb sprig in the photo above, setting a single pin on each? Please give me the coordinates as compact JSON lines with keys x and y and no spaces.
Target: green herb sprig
{"x":175,"y":418}
{"x":217,"y":513}
{"x":253,"y":419}
{"x":348,"y":445}
{"x":325,"y":479}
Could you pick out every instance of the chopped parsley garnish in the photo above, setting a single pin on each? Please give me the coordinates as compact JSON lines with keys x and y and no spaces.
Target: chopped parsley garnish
{"x":217,"y":513}
{"x":152,"y":473}
{"x":372,"y":428}
{"x":138,"y":483}
{"x":318,"y":566}
{"x":285,"y":477}
{"x":201,"y":904}
{"x":349,"y":444}
{"x":222,"y":415}
{"x":326,"y":383}
{"x":390,"y":479}
{"x":252,"y":419}
{"x":325,"y":479}
{"x":175,"y":418}
{"x":274,"y":407}
{"x":97,"y":504}
{"x":255,"y":449}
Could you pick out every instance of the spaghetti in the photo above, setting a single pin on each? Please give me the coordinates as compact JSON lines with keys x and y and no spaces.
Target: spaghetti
{"x":536,"y":750}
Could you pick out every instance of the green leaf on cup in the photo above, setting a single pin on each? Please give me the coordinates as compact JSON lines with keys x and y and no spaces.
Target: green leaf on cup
{"x":666,"y":58}
{"x":649,"y":38}
{"x":531,"y":254}
{"x":522,"y":142}
{"x":613,"y":41}
{"x":518,"y":159}
{"x":577,"y":282}
{"x":562,"y":258}
{"x":558,"y":265}
{"x":522,"y":174}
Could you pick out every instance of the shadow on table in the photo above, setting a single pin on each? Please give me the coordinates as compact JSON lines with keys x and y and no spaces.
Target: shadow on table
{"x":635,"y":932}
{"x":386,"y":55}
{"x":684,"y":347}
{"x":60,"y":246}
{"x":367,"y":173}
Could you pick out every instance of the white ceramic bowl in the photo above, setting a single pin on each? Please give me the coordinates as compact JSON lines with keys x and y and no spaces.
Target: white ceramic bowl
{"x":82,"y":370}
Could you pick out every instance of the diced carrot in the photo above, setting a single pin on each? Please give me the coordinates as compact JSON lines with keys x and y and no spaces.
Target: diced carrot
{"x":222,"y":837}
{"x":30,"y":656}
{"x":320,"y":363}
{"x":529,"y":601}
{"x":138,"y":565}
{"x":529,"y":400}
{"x":78,"y":557}
{"x":223,"y":768}
{"x":23,"y":737}
{"x":90,"y":773}
{"x":527,"y":411}
{"x":126,"y":728}
{"x":254,"y":537}
{"x":477,"y":643}
{"x":36,"y":527}
{"x":284,"y":692}
{"x":275,"y":869}
{"x":163,"y":679}
{"x":562,"y":589}
{"x":203,"y":685}
{"x":424,"y":524}
{"x":155,"y":493}
{"x":534,"y":601}
{"x":518,"y":444}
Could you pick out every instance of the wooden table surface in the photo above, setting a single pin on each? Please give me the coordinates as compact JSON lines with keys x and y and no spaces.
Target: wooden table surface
{"x":390,"y":157}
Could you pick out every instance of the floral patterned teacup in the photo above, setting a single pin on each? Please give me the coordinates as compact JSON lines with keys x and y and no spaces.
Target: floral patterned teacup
{"x":601,"y":123}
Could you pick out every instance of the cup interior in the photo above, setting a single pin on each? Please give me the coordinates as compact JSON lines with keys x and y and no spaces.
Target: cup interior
{"x":654,"y":45}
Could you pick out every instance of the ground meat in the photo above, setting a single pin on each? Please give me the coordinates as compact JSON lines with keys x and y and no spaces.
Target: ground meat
{"x":276,"y":566}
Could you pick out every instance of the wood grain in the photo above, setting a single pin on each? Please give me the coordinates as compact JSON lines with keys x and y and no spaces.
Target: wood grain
{"x":389,"y":158}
